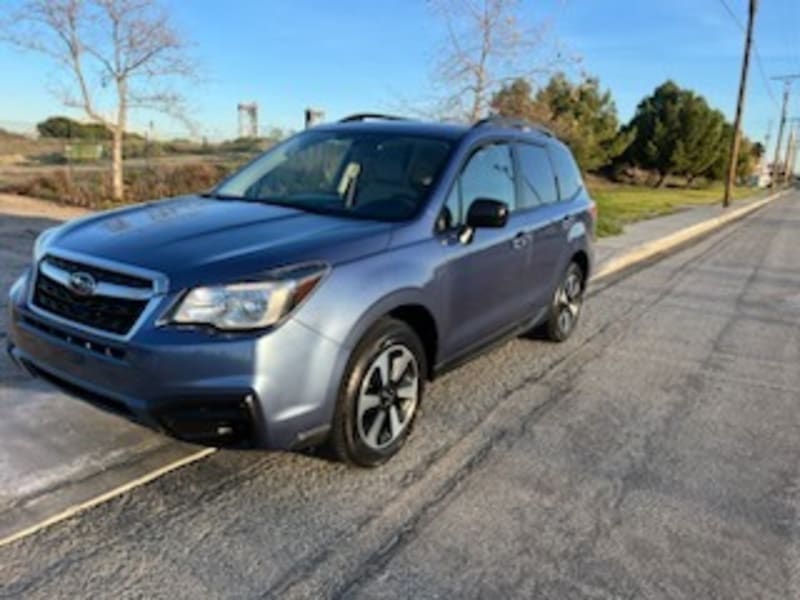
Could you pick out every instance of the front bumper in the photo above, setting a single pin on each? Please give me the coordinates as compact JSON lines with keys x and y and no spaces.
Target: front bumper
{"x":203,"y":387}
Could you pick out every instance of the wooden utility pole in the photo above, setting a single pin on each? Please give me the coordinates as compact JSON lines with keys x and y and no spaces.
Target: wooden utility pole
{"x":791,"y":146}
{"x":776,"y":163}
{"x":787,"y":153}
{"x":737,"y":123}
{"x":767,"y":138}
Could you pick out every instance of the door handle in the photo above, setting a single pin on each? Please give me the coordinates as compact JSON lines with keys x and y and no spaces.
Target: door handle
{"x":520,"y":241}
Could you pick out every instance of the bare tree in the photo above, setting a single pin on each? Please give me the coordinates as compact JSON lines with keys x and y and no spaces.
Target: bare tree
{"x":119,"y":56}
{"x":487,"y":44}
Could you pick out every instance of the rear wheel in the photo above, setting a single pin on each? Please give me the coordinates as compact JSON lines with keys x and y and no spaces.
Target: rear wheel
{"x":380,"y":395}
{"x":567,"y":303}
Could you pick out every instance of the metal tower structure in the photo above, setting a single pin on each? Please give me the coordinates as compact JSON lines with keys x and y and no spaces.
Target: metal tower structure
{"x":248,"y":119}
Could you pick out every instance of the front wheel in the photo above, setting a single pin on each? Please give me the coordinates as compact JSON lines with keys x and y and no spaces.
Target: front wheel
{"x":566,"y":305}
{"x":380,"y":394}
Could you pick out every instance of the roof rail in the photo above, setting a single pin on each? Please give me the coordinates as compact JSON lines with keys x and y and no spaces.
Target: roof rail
{"x":512,"y":123}
{"x":370,"y":116}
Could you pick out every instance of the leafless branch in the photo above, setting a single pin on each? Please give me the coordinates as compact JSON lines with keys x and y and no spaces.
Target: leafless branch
{"x":130,"y":46}
{"x":487,"y":43}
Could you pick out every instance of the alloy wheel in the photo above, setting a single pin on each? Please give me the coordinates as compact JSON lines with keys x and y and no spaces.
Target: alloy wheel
{"x":569,"y":301}
{"x":387,"y":397}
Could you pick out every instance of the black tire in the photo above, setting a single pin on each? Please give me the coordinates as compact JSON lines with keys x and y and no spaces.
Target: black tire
{"x":349,"y":437}
{"x":565,"y":308}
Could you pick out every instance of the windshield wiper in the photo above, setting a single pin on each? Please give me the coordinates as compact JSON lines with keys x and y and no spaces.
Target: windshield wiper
{"x":293,"y":205}
{"x":218,"y":196}
{"x":262,"y":200}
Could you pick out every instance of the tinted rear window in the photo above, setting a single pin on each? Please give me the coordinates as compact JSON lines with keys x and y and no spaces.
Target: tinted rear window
{"x":569,"y":178}
{"x":539,"y":182}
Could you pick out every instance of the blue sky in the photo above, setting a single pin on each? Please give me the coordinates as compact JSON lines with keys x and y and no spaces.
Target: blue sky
{"x":355,"y":55}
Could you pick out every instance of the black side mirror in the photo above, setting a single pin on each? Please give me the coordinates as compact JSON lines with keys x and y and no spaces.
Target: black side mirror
{"x":485,"y":212}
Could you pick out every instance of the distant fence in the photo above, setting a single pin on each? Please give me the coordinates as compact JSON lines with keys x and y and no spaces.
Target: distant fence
{"x":76,"y":169}
{"x":157,"y":134}
{"x":23,"y":151}
{"x":21,"y":145}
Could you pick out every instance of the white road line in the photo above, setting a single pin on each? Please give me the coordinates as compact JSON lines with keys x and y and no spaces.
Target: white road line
{"x":106,"y":496}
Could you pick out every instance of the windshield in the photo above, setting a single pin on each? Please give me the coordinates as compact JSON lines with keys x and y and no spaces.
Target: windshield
{"x":383,"y":176}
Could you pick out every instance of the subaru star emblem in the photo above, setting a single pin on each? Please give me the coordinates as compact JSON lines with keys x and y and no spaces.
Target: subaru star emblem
{"x":82,"y":283}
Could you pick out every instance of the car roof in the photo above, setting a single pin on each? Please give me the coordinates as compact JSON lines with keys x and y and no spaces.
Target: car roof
{"x":442,"y":130}
{"x":448,"y":131}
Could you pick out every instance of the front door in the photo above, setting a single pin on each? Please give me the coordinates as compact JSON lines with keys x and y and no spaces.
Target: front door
{"x":484,"y":283}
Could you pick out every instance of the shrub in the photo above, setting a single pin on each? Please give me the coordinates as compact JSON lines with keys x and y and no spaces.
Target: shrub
{"x":64,"y":127}
{"x":162,"y":182}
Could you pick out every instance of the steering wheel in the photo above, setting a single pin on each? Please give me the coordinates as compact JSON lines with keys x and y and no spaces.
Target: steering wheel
{"x":397,"y":204}
{"x":407,"y":200}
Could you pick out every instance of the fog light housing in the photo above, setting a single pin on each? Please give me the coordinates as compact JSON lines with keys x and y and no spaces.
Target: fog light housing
{"x":215,"y":421}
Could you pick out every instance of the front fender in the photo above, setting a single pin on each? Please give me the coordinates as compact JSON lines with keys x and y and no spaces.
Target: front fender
{"x":384,"y":306}
{"x":357,"y":294}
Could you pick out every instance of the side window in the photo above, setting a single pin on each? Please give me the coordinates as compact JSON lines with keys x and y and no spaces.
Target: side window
{"x":569,"y":178}
{"x":538,"y":179}
{"x":488,"y":174}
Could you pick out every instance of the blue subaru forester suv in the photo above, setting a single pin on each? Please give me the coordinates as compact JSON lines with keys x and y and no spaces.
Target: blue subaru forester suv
{"x":309,"y":297}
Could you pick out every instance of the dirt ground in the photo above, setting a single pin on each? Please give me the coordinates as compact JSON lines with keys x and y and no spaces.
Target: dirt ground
{"x":23,"y":206}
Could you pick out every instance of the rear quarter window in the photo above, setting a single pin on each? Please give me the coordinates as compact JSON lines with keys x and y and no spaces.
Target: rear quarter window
{"x":567,"y":174}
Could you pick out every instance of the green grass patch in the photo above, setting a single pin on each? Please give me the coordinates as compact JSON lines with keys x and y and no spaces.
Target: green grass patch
{"x":619,"y":205}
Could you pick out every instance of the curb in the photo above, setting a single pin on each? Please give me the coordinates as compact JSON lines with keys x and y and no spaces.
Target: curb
{"x":106,"y":496}
{"x":669,"y":242}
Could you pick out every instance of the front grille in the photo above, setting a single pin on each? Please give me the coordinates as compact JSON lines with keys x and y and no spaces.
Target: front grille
{"x":114,"y":315}
{"x":100,"y":274}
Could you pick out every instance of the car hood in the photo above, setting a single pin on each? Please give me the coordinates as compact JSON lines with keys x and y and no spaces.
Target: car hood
{"x":196,"y":240}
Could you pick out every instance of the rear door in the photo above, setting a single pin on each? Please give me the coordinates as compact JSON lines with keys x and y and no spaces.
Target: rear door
{"x":540,"y":207}
{"x":572,"y":218}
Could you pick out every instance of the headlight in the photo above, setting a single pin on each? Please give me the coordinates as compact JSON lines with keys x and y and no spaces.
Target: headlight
{"x":249,"y":305}
{"x":40,"y":245}
{"x":19,"y":285}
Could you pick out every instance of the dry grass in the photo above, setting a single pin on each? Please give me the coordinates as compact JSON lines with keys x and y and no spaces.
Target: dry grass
{"x":620,"y":204}
{"x":22,"y":149}
{"x":93,"y":189}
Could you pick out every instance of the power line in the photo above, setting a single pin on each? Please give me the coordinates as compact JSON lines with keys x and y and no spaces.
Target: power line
{"x":732,"y":14}
{"x":764,"y":77}
{"x":759,"y":63}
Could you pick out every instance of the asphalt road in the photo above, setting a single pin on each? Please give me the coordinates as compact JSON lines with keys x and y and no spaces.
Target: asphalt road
{"x":657,"y":455}
{"x":56,"y":452}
